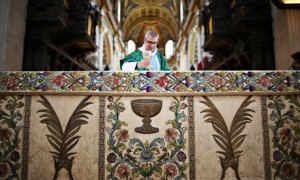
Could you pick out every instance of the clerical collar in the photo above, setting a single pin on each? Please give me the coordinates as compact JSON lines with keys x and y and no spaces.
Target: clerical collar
{"x":143,"y":50}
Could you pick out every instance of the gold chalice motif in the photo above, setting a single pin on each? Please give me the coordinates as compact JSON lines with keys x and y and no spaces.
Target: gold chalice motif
{"x":146,"y":108}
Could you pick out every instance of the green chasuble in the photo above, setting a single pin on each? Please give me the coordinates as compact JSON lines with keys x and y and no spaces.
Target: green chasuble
{"x":137,"y":56}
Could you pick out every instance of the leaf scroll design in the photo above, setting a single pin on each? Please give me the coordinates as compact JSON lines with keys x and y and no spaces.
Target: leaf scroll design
{"x":63,"y":141}
{"x":11,"y":119}
{"x":285,"y":127}
{"x":229,"y":140}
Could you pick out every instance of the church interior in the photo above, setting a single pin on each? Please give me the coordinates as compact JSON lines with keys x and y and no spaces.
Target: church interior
{"x":194,"y":34}
{"x":228,"y":109}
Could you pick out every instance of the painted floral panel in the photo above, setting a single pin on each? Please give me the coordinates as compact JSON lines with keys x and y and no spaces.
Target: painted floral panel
{"x":284,"y":119}
{"x":134,"y":155}
{"x":11,"y":129}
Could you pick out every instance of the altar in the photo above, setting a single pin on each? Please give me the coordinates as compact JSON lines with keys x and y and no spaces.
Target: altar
{"x":150,"y":125}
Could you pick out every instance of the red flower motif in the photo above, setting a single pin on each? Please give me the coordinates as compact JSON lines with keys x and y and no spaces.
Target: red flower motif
{"x":215,"y":81}
{"x":8,"y":81}
{"x":177,"y":74}
{"x":171,"y":134}
{"x":3,"y":170}
{"x":112,"y":81}
{"x":162,"y":81}
{"x":123,"y":171}
{"x":288,"y":170}
{"x":73,"y":74}
{"x":171,"y":170}
{"x":59,"y":80}
{"x":286,"y":134}
{"x":5,"y":134}
{"x":264,"y":81}
{"x":179,"y":89}
{"x":122,"y":135}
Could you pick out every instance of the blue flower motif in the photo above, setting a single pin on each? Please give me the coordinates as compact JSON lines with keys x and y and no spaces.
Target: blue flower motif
{"x":238,"y":81}
{"x":206,"y":73}
{"x":296,"y":76}
{"x":147,"y":156}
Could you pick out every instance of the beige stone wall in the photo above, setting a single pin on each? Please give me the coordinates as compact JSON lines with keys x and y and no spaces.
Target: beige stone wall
{"x":286,"y":29}
{"x":12,"y":33}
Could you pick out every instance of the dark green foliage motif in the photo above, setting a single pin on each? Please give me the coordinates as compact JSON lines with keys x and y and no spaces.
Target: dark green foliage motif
{"x":63,"y":141}
{"x":229,"y":140}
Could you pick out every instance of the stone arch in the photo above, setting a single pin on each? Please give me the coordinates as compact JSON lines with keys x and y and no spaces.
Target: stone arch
{"x":192,"y":47}
{"x":160,"y":15}
{"x":107,"y":49}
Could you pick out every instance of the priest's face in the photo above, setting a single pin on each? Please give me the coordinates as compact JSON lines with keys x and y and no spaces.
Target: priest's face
{"x":150,"y":43}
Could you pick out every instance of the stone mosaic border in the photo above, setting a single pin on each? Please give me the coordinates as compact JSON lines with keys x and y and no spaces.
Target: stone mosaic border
{"x":235,"y":82}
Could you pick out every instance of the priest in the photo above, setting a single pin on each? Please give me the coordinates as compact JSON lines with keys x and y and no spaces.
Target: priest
{"x":147,"y":57}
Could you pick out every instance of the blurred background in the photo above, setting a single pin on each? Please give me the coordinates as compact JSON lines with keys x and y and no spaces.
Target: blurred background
{"x":55,"y":35}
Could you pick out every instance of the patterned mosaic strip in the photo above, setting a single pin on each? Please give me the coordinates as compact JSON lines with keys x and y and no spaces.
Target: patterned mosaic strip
{"x":192,"y":147}
{"x":26,"y":130}
{"x":101,"y":161}
{"x":96,"y":81}
{"x":266,"y":138}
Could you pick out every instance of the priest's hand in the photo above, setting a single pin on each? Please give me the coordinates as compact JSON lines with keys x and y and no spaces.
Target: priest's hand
{"x":144,"y":63}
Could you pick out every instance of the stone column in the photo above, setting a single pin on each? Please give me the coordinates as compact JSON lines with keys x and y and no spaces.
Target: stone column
{"x":12,"y":33}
